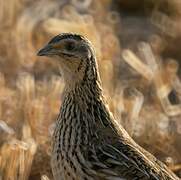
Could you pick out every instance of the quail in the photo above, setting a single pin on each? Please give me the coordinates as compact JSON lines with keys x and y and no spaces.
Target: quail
{"x":88,"y":143}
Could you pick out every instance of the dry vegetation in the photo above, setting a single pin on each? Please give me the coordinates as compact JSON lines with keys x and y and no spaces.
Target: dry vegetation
{"x":138,"y":48}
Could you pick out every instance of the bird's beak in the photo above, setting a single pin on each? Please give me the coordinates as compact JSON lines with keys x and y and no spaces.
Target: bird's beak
{"x":46,"y":51}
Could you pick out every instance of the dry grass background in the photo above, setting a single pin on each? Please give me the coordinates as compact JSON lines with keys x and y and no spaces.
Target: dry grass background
{"x":138,"y":49}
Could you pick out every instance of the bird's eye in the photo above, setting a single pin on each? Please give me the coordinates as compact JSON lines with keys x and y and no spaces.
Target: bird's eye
{"x":70,"y":46}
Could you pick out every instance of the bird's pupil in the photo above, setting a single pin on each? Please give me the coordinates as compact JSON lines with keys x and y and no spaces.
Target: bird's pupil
{"x":70,"y":46}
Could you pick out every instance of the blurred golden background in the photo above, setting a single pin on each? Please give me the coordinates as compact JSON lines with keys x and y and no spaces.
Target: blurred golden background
{"x":138,"y":46}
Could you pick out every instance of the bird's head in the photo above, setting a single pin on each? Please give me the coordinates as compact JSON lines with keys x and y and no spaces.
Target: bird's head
{"x":74,"y":54}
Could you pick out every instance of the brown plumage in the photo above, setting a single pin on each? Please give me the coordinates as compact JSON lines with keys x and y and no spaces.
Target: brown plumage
{"x":88,"y":144}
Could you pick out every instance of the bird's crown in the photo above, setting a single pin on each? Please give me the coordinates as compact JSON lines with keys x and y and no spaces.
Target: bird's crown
{"x":63,"y":36}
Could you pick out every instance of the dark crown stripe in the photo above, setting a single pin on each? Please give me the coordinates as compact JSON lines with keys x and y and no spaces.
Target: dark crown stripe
{"x":66,"y":36}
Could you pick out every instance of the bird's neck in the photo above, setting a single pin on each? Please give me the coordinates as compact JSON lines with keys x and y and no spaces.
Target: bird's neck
{"x":84,"y":90}
{"x":81,"y":111}
{"x":87,"y":80}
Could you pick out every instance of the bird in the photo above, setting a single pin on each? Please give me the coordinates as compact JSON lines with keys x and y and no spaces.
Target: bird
{"x":88,"y":143}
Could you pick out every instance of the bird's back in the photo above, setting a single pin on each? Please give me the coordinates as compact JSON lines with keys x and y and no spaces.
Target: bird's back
{"x":89,"y":144}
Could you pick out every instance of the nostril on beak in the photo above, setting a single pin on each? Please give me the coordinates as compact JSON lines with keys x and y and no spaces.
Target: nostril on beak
{"x":44,"y":51}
